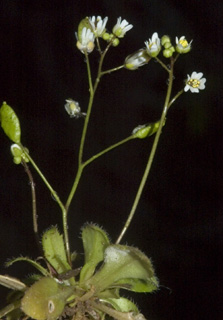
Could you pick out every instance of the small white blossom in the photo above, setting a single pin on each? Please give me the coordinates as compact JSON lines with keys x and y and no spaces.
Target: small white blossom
{"x":86,"y":43}
{"x":136,"y":60}
{"x":98,"y":25}
{"x":121,"y":27}
{"x":182,"y":45}
{"x":194,"y":83}
{"x":73,"y":109}
{"x":153,"y":46}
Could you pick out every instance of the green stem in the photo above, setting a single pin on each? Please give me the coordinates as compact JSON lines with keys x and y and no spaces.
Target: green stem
{"x":107,"y":150}
{"x":112,"y":70}
{"x":92,"y":90}
{"x":162,"y":64}
{"x":53,"y":192}
{"x":84,"y":132}
{"x":151,"y":156}
{"x":34,"y":211}
{"x":175,"y":98}
{"x":57,"y":199}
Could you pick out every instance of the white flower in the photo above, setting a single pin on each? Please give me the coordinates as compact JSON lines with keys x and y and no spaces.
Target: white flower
{"x":73,"y":109}
{"x":182,"y":45}
{"x":98,"y":25}
{"x":121,"y":28}
{"x":153,"y":46}
{"x":194,"y":83}
{"x":136,"y":60}
{"x":86,"y":42}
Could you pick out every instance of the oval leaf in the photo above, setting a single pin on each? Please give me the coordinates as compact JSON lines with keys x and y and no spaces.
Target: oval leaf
{"x":54,"y":250}
{"x":95,"y":241}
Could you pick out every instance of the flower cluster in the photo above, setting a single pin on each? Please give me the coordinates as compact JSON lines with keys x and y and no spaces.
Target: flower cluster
{"x":95,"y":27}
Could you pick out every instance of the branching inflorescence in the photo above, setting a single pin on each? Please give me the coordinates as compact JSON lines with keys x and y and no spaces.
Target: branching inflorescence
{"x":92,"y":292}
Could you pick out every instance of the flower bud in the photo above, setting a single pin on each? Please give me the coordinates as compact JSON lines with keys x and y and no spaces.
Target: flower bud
{"x":167,"y":53}
{"x":106,"y":36}
{"x":165,"y":39}
{"x":115,"y":42}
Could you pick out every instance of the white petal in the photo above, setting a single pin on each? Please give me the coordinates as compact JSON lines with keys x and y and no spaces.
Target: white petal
{"x":199,"y":75}
{"x":194,"y":75}
{"x":194,"y":89}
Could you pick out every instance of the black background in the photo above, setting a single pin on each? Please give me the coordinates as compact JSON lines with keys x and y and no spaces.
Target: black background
{"x":179,"y":219}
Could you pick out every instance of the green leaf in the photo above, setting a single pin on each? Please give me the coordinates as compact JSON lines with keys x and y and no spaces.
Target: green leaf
{"x":12,"y":283}
{"x":54,"y":250}
{"x":51,"y":297}
{"x":125,"y":267}
{"x":95,"y":241}
{"x":122,"y":304}
{"x":32,"y":262}
{"x":10,"y":308}
{"x":10,"y":123}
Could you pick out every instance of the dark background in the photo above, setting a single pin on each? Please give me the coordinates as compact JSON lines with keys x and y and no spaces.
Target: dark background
{"x":179,"y":219}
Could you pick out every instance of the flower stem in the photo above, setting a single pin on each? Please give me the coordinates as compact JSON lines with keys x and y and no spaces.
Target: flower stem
{"x":107,"y":150}
{"x":162,"y":64}
{"x":112,"y":70}
{"x":34,"y":211}
{"x":151,"y":156}
{"x":175,"y":98}
{"x":53,"y":192}
{"x":57,"y":199}
{"x":92,"y":90}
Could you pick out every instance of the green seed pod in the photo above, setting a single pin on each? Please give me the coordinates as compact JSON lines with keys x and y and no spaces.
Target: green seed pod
{"x":45,"y":299}
{"x":83,"y":24}
{"x":10,"y":123}
{"x":146,"y":130}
